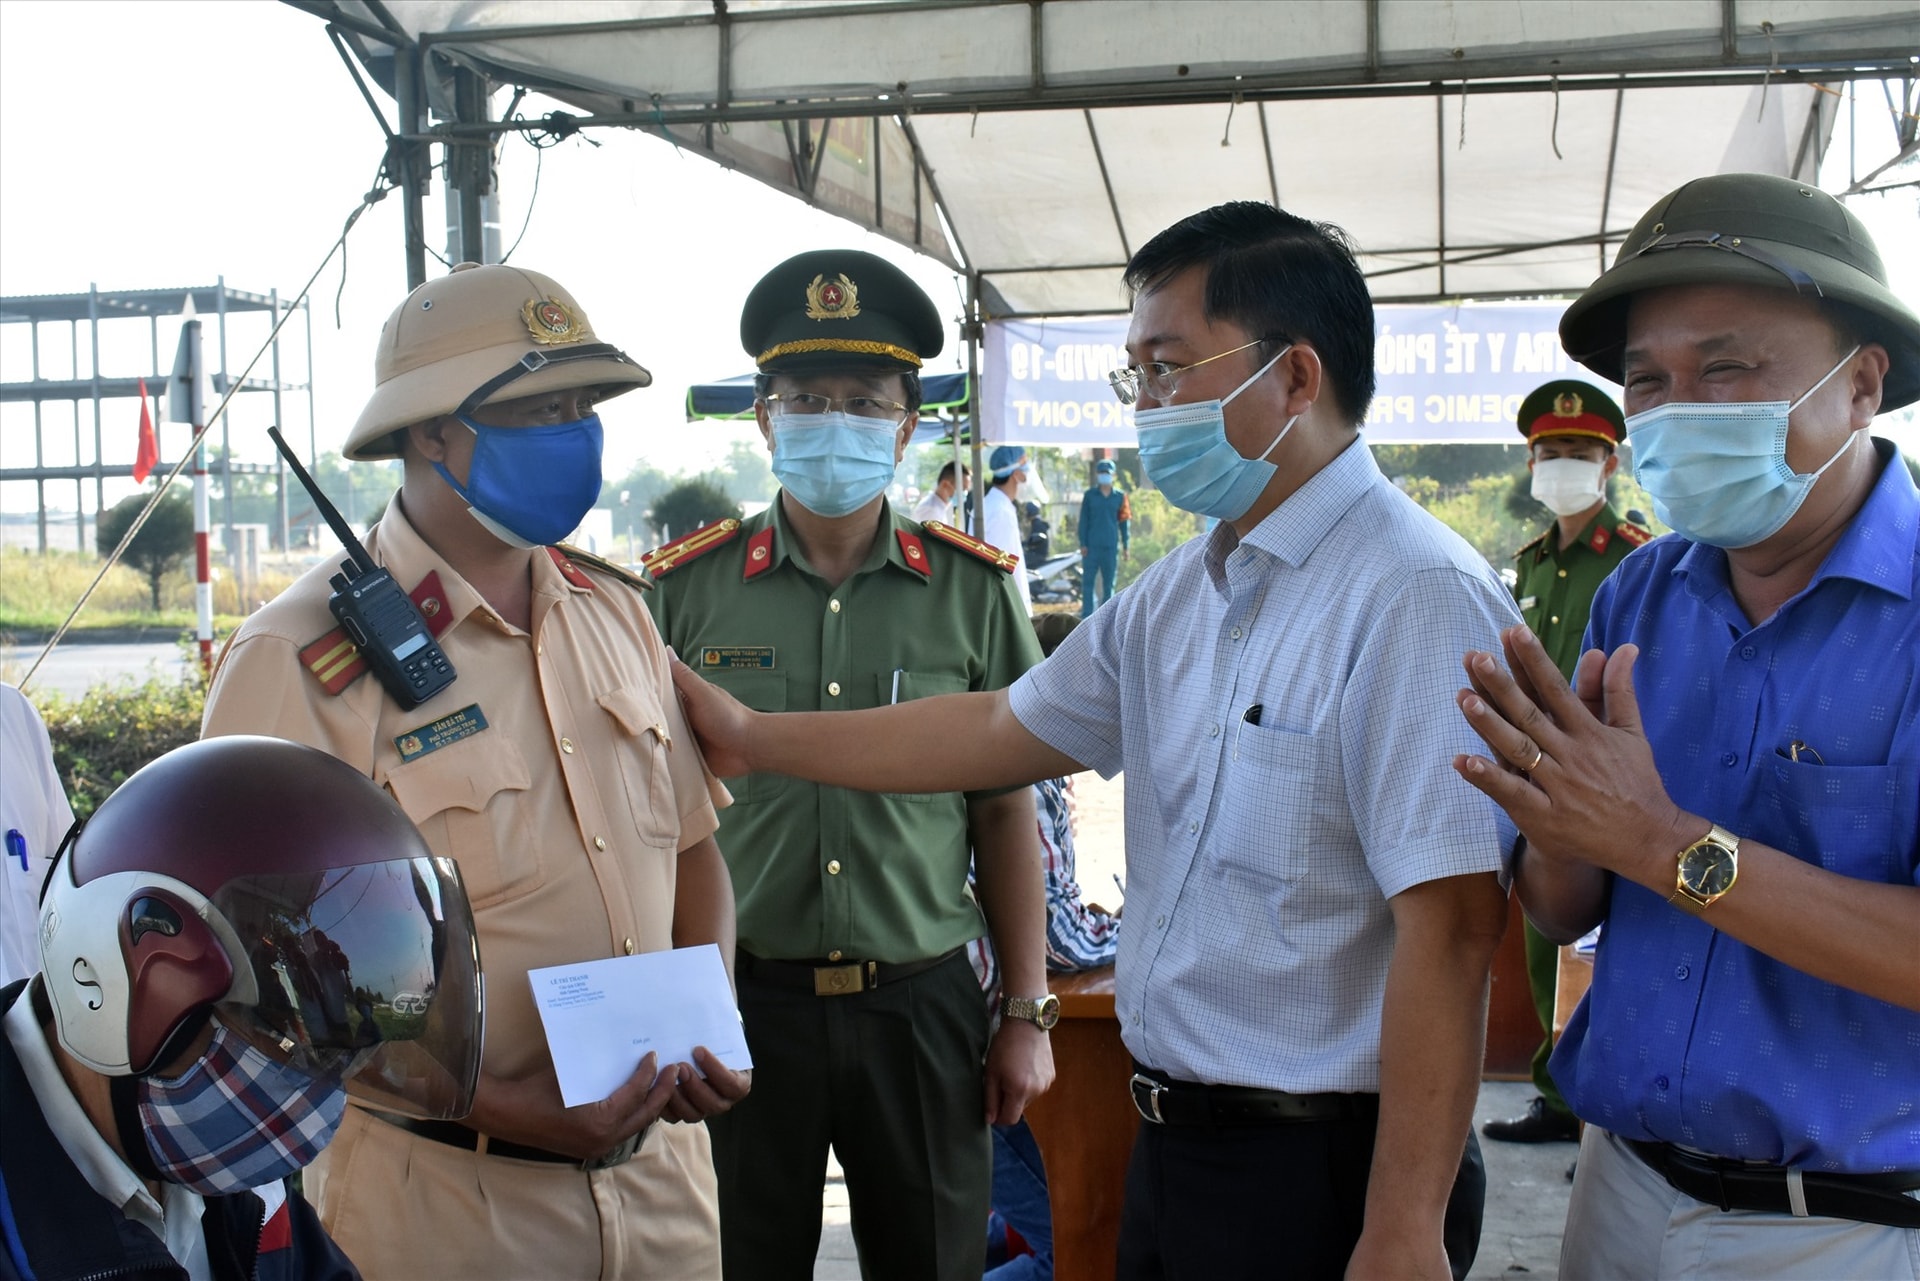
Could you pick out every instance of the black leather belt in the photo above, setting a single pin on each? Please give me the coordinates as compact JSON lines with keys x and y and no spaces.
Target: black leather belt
{"x":1164,"y":1101}
{"x":1737,"y":1185}
{"x":454,"y":1134}
{"x":831,"y":978}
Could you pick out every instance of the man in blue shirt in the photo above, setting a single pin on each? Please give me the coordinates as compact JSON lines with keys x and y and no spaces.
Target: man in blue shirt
{"x":1732,"y":785}
{"x":1104,"y":518}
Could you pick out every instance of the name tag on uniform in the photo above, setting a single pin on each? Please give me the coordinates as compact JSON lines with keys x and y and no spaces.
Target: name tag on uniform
{"x":450,"y":728}
{"x":1528,"y":602}
{"x":758,"y":657}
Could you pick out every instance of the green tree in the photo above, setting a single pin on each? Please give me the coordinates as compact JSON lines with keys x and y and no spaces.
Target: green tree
{"x":691,"y":504}
{"x":166,"y":537}
{"x":746,"y":473}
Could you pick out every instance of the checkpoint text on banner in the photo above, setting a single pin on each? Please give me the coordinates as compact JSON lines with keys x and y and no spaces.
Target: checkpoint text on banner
{"x":1446,"y":374}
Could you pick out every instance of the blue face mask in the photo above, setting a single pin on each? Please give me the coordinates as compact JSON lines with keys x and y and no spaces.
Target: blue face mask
{"x":1186,"y":453}
{"x":532,"y":486}
{"x":834,"y":464}
{"x":1718,"y":473}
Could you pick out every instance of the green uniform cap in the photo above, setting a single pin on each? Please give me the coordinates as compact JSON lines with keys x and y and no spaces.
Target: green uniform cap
{"x":1748,"y":229}
{"x":834,"y":309}
{"x":1567,"y":407}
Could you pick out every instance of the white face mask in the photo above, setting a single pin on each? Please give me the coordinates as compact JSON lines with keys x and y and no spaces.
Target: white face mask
{"x":1568,"y":486}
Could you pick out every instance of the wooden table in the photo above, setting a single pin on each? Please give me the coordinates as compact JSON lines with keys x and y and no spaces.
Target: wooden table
{"x":1085,"y":1126}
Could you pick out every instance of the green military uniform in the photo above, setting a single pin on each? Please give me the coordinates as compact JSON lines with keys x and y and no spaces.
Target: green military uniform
{"x":1555,"y":587}
{"x":819,"y":871}
{"x":868,"y":1028}
{"x":1556,"y":584}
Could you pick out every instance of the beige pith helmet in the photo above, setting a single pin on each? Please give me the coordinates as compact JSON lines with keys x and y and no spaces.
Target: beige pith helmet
{"x":480,"y":334}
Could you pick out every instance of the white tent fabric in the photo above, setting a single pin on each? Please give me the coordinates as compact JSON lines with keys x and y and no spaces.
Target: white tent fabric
{"x":1473,"y":148}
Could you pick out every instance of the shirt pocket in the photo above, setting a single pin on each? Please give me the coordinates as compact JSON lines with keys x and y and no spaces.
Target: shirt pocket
{"x":916,"y":685}
{"x":1268,"y":820}
{"x":640,"y":747}
{"x":763,"y":691}
{"x":1842,"y":818}
{"x":458,"y":797}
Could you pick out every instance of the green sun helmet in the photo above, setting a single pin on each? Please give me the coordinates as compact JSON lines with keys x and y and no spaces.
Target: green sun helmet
{"x":1749,"y":229}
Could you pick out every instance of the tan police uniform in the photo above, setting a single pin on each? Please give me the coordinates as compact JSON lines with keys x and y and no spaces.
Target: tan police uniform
{"x":558,"y":771}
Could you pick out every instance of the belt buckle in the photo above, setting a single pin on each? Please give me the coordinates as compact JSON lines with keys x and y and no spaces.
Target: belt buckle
{"x":1151,"y":1112}
{"x":620,"y":1154}
{"x":837,"y":980}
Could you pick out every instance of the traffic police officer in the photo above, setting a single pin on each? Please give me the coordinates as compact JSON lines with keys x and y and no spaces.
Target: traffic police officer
{"x":1572,"y":430}
{"x":867,"y":1026}
{"x":556,"y":768}
{"x":1105,"y":517}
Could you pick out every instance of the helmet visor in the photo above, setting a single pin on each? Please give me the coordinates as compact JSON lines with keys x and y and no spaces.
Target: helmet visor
{"x":368,"y":974}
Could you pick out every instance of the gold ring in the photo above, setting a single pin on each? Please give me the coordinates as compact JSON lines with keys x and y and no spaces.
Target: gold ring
{"x":1539,"y":754}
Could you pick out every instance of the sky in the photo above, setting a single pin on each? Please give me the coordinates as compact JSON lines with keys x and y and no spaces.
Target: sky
{"x":168,"y":143}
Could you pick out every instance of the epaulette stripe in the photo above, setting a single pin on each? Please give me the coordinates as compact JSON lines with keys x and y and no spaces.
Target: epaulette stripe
{"x":700,"y":540}
{"x":1004,"y":561}
{"x":603,"y":565}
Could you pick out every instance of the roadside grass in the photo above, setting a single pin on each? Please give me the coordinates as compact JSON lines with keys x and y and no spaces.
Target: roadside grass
{"x":37,"y":589}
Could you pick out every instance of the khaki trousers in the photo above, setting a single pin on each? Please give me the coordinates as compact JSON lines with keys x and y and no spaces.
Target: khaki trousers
{"x":405,"y":1208}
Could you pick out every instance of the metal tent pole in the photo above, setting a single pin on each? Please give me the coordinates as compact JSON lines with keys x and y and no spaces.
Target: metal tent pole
{"x":977,"y":527}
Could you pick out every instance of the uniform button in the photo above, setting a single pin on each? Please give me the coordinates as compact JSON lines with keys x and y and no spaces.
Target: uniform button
{"x":834,"y":955}
{"x":629,"y":946}
{"x":1681,"y":972}
{"x":1235,"y":633}
{"x":1729,"y":760}
{"x":834,"y":605}
{"x":833,"y":867}
{"x":1160,"y":922}
{"x":1136,"y":1020}
{"x":1746,"y":651}
{"x":539,"y":649}
{"x":1563,"y":573}
{"x":600,"y":842}
{"x":1192,"y":828}
{"x":1660,"y":1082}
{"x":1554,"y":619}
{"x":1213,"y":731}
{"x":833,"y":688}
{"x":566,"y":745}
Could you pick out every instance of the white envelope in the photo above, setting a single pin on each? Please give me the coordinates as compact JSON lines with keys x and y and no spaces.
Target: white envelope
{"x":603,"y":1017}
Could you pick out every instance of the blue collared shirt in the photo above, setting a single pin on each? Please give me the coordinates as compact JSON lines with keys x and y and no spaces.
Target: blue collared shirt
{"x":1687,"y":1035}
{"x":1262,"y":849}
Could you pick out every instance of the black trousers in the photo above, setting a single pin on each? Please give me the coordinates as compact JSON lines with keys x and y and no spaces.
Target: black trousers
{"x":893,"y":1080}
{"x":1216,"y":1204}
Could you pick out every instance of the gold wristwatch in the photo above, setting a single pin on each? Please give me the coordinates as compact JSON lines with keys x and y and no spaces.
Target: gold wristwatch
{"x":1706,"y":870}
{"x":1043,"y":1013}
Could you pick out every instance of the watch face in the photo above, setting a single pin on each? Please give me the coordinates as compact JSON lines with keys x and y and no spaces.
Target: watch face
{"x":1048,"y":1012}
{"x":1708,"y":869}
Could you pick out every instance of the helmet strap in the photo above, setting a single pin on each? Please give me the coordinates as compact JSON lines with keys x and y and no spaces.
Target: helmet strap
{"x":124,"y":1091}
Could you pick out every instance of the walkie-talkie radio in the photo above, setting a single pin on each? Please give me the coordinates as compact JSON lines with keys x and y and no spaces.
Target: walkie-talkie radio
{"x":379,"y":616}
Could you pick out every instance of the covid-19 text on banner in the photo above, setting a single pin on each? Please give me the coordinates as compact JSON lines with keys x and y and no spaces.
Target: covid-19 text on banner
{"x":1443,"y":374}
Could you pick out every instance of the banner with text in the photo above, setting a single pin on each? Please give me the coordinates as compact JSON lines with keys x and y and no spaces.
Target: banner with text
{"x":1445,"y":374}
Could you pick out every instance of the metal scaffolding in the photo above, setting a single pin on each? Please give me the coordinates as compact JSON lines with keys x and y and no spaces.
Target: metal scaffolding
{"x":90,"y":311}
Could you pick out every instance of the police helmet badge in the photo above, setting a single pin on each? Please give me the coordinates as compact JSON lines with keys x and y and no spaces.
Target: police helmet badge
{"x":551,"y":322}
{"x":1568,"y":405}
{"x":833,"y":299}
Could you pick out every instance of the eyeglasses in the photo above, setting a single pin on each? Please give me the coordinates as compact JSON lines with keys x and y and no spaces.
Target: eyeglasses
{"x":1158,"y":377}
{"x":807,"y":404}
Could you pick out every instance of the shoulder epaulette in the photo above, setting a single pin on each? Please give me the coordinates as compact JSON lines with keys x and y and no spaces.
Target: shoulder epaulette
{"x":662,"y":560}
{"x":1527,"y":547}
{"x":1003,"y":561}
{"x":1633,"y":533}
{"x":336,"y":661}
{"x":564,"y":553}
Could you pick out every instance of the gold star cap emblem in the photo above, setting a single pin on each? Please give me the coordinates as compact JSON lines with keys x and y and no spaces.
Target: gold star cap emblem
{"x":837,"y":299}
{"x":1567,"y":405}
{"x":551,"y":322}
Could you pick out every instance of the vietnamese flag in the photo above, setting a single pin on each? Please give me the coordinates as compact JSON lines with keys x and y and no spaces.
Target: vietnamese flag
{"x":149,"y":451}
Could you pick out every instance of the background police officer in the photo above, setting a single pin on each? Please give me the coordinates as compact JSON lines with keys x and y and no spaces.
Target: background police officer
{"x":868,"y":1029}
{"x":1105,"y":518}
{"x":1572,"y":429}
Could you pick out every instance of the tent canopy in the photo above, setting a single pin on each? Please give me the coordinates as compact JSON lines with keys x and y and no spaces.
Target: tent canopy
{"x":1473,"y":148}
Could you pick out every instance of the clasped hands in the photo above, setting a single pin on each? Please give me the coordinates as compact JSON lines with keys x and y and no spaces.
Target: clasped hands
{"x":1571,"y":765}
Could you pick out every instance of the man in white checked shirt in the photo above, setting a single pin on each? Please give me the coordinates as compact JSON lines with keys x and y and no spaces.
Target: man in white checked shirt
{"x":1315,"y":899}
